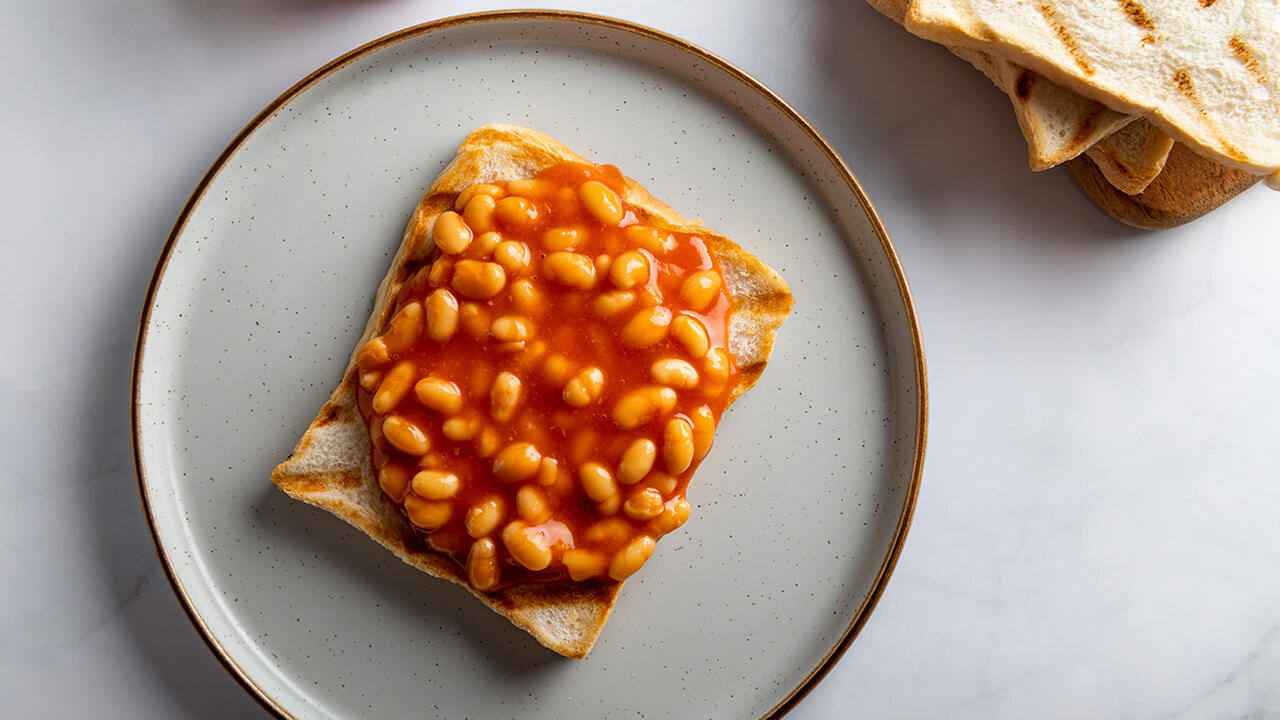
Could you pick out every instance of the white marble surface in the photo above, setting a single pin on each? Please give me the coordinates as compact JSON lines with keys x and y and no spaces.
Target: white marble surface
{"x":1097,"y":534}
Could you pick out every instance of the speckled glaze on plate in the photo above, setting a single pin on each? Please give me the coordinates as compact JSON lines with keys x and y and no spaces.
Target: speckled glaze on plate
{"x":261,"y":291}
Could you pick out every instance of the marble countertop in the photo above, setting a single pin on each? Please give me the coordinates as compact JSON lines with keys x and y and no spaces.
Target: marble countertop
{"x":1097,"y":534}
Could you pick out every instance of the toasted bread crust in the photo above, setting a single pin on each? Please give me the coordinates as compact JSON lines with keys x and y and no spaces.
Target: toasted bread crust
{"x":1195,"y":84}
{"x":1058,"y":123}
{"x":331,"y":467}
{"x":1132,"y":157}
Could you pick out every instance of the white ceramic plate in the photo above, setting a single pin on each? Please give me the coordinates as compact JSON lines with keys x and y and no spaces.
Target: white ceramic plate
{"x":267,"y":280}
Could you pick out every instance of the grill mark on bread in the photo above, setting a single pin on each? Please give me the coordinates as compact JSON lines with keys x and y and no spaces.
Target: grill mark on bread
{"x":1187,"y":88}
{"x":1207,"y":3}
{"x":320,"y":482}
{"x":1025,"y":83}
{"x":329,"y":414}
{"x":1065,"y":37}
{"x":1245,"y":55}
{"x":985,"y":32}
{"x":1083,"y":132}
{"x":1120,"y":163}
{"x":1139,"y":17}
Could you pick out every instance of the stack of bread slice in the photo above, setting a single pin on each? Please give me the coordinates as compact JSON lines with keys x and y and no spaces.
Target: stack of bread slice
{"x":1120,"y":81}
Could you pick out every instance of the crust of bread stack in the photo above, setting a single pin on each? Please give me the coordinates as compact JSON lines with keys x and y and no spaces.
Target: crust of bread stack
{"x":1204,"y":73}
{"x":331,"y":467}
{"x":1120,"y":82}
{"x":1059,"y":124}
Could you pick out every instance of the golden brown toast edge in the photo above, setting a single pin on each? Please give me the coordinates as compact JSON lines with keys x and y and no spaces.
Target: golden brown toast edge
{"x":330,"y":467}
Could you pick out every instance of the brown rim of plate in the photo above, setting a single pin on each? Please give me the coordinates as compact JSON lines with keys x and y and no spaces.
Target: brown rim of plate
{"x":922,"y":418}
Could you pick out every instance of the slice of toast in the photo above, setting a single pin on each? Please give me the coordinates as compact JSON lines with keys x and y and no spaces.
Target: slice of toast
{"x":1058,"y":123}
{"x":331,"y":465}
{"x":1189,"y":186}
{"x":1197,"y":71}
{"x":1132,"y":157}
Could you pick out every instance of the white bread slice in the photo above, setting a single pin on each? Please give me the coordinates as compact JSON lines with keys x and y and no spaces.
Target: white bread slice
{"x":1188,"y":187}
{"x":1058,"y":123}
{"x":1205,"y":73}
{"x":1132,"y":157}
{"x":331,"y":467}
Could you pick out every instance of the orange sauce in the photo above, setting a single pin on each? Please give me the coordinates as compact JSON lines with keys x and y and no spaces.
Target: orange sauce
{"x":564,"y":325}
